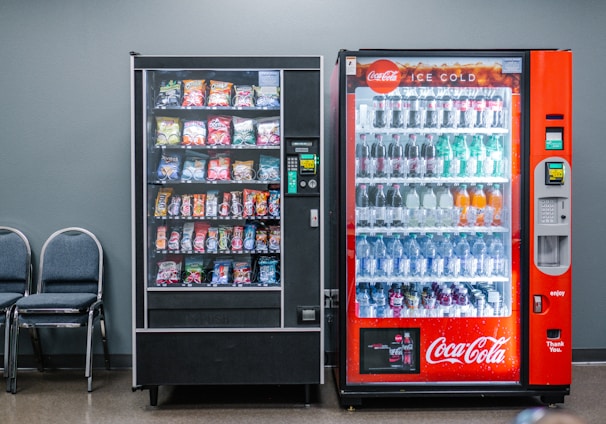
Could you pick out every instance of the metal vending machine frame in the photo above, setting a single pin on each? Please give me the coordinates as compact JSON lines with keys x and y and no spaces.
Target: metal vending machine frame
{"x":242,"y":304}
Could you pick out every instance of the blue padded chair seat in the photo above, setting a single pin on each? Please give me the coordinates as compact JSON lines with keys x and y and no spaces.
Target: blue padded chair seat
{"x":56,"y":300}
{"x":7,"y":299}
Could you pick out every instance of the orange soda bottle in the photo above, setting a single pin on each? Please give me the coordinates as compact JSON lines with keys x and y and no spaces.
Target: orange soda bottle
{"x":461,"y":200}
{"x":478,"y":201}
{"x":494,"y":199}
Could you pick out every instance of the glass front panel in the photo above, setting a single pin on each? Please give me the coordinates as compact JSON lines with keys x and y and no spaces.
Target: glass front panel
{"x":213,"y":178}
{"x":433,"y":182}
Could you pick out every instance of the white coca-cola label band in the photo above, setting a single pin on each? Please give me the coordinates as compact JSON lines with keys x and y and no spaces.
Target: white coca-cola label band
{"x":487,"y":350}
{"x":383,"y":76}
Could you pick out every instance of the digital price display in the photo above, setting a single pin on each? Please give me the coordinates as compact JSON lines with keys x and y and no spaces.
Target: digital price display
{"x":307,"y":164}
{"x":554,"y":173}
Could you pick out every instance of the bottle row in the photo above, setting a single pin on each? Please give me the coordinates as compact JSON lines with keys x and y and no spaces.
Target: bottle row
{"x":218,"y":130}
{"x":198,"y":92}
{"x":434,"y":108}
{"x":443,"y":206}
{"x":202,"y":237}
{"x":247,"y":203}
{"x":434,"y":300}
{"x":200,"y":167}
{"x":195,"y":271}
{"x":462,"y":255}
{"x":466,"y":156}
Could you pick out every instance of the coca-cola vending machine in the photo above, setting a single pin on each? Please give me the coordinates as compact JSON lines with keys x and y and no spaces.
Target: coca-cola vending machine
{"x":453,"y":223}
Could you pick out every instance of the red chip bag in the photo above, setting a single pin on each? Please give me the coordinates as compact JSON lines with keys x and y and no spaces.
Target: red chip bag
{"x":219,"y":130}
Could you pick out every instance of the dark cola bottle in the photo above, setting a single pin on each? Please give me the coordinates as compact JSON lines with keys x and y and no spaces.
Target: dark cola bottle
{"x":414,"y":112}
{"x":363,"y":157}
{"x":479,"y":110}
{"x":380,"y":113}
{"x":395,"y":107}
{"x":396,"y":155}
{"x":464,"y":111}
{"x":380,"y":157}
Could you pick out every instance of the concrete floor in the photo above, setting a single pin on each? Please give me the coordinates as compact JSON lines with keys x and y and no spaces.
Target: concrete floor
{"x":60,"y":396}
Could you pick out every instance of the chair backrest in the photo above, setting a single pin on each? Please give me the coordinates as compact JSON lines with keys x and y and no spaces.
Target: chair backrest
{"x":15,"y":261}
{"x":71,"y":261}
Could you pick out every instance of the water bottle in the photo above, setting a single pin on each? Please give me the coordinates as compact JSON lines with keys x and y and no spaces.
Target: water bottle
{"x":363,"y":256}
{"x":460,"y":156}
{"x":380,"y":208}
{"x":430,"y":157}
{"x":477,"y":156}
{"x":363,"y":300}
{"x":463,"y":252}
{"x":445,"y":156}
{"x":383,"y":260}
{"x":479,"y":251}
{"x":396,"y":208}
{"x":412,"y":154}
{"x":363,"y":206}
{"x":398,"y":166}
{"x":363,"y":158}
{"x":380,"y":301}
{"x":451,"y":265}
{"x":430,"y":255}
{"x":413,"y":251}
{"x":401,"y":266}
{"x":497,"y":259}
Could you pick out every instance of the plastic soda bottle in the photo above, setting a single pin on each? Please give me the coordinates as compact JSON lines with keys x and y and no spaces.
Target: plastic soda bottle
{"x":380,"y":209}
{"x":444,"y":155}
{"x":430,"y":157}
{"x":463,"y":252}
{"x":363,"y":300}
{"x":397,"y":159}
{"x":478,"y":203}
{"x":363,"y":157}
{"x":460,"y":156}
{"x":380,"y":301}
{"x":412,"y":154}
{"x":494,"y":156}
{"x":396,"y":208}
{"x":380,"y":158}
{"x":380,"y":115}
{"x":494,"y":199}
{"x":384,"y":262}
{"x":363,"y":256}
{"x":445,"y":302}
{"x":429,"y":203}
{"x":413,"y":203}
{"x":462,"y":201}
{"x":477,"y":156}
{"x":362,"y":206}
{"x":396,"y":302}
{"x":479,"y":251}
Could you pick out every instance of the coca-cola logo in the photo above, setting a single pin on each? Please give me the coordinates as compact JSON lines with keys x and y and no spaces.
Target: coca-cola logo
{"x":383,"y":76}
{"x":488,"y":350}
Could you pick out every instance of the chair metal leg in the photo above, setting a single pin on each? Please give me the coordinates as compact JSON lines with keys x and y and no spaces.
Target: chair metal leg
{"x":7,"y":332}
{"x":88,"y":373}
{"x":11,"y":385}
{"x":104,"y":337}
{"x":37,"y":346}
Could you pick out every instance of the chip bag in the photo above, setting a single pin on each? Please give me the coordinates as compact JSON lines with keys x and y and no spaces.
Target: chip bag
{"x":220,"y":93}
{"x":194,"y":92}
{"x":194,"y":133}
{"x":168,"y":131}
{"x":219,"y":130}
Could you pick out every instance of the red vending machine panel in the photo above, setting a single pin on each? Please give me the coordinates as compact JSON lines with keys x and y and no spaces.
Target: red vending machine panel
{"x":436,"y":227}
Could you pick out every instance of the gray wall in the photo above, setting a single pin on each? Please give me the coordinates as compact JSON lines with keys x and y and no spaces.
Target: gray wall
{"x":65,"y":104}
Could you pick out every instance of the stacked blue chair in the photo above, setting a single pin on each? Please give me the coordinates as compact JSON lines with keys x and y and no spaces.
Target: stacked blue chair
{"x":69,"y":294}
{"x":15,"y":279}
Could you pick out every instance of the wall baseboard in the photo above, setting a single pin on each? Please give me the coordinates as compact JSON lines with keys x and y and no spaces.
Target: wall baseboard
{"x":124,"y":361}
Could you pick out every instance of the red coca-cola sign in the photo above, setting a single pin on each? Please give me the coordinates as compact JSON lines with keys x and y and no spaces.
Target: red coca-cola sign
{"x":383,"y":76}
{"x":485,"y":349}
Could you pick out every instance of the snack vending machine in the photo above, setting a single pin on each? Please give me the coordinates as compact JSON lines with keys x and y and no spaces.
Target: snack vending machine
{"x":453,"y":259}
{"x":227,"y":232}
